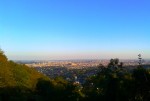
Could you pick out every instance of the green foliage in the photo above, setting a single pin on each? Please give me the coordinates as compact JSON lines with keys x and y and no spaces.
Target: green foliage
{"x":16,"y":81}
{"x":3,"y":58}
{"x":114,"y":83}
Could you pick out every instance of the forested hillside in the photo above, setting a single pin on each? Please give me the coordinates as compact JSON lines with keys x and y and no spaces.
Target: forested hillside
{"x":12,"y":74}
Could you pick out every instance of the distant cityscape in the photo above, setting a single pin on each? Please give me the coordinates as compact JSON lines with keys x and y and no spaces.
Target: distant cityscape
{"x":76,"y":70}
{"x":74,"y":64}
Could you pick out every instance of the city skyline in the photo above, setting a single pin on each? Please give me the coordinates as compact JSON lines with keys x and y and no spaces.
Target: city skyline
{"x":80,"y":29}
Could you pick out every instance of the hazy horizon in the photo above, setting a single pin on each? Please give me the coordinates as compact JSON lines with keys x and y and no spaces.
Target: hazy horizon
{"x":80,"y":29}
{"x":75,"y":56}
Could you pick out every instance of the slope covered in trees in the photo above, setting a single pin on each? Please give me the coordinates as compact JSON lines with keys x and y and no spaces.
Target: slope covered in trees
{"x":12,"y":74}
{"x":16,"y":80}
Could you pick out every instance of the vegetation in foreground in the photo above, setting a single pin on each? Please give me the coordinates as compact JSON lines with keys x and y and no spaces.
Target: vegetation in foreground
{"x":112,"y":83}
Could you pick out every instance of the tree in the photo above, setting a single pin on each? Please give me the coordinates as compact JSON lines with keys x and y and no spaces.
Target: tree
{"x":3,"y":58}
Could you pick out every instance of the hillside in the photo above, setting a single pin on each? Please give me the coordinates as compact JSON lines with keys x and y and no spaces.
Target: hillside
{"x":12,"y":74}
{"x":17,"y":81}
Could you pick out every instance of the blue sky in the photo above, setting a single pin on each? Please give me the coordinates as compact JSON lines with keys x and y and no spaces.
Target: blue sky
{"x":75,"y":29}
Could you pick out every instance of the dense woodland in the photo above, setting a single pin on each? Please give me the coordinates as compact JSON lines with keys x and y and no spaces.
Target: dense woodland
{"x":112,"y":83}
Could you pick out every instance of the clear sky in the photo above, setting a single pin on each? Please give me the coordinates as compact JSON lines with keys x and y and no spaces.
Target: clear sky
{"x":75,"y":29}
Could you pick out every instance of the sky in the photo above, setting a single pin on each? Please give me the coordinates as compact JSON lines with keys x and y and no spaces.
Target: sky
{"x":74,"y":29}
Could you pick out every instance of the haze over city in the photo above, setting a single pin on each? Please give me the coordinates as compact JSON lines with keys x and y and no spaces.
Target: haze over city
{"x":74,"y":29}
